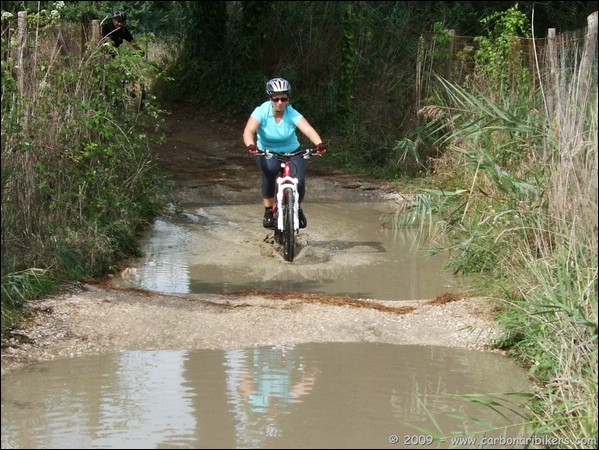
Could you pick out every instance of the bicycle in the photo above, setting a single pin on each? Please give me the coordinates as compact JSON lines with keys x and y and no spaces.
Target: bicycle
{"x":286,"y":203}
{"x":135,"y":94}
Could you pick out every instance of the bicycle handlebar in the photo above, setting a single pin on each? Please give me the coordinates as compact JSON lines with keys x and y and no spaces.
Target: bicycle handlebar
{"x":306,"y":152}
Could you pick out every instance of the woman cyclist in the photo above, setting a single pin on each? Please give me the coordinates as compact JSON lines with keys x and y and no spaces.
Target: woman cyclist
{"x":274,"y":123}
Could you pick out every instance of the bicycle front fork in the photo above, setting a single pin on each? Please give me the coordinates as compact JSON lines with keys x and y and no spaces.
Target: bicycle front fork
{"x":284,"y":183}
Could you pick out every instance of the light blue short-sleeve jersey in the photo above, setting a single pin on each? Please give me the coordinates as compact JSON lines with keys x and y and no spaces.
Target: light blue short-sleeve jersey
{"x":278,"y":137}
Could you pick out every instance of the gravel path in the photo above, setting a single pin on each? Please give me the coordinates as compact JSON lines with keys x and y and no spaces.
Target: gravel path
{"x":95,"y":319}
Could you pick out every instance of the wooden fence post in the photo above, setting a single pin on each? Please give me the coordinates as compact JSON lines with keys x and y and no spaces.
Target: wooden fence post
{"x":588,"y":55}
{"x":96,"y":35}
{"x":450,"y":59}
{"x":590,"y":46}
{"x":418,"y":86}
{"x":21,"y":51}
{"x":551,"y":59}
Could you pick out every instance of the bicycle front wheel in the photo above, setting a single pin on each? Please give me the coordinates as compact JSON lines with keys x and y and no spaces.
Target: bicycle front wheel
{"x":288,"y":223}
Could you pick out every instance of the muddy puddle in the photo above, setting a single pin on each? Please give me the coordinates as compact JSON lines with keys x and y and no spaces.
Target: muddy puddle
{"x":341,"y":395}
{"x":346,"y":250}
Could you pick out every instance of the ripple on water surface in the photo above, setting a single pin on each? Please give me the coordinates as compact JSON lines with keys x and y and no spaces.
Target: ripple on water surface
{"x":340,"y":395}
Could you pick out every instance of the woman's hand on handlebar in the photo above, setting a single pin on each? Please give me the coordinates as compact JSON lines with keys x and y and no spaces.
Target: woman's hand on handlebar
{"x":320,"y":149}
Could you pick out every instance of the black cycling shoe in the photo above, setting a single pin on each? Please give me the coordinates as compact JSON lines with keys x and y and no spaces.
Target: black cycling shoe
{"x":268,"y":221}
{"x":303,"y":222}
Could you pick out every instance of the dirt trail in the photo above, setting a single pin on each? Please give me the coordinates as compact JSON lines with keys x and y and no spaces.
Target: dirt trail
{"x":199,"y":154}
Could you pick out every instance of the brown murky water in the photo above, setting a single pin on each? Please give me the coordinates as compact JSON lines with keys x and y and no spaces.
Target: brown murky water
{"x":344,"y":251}
{"x":342,"y":395}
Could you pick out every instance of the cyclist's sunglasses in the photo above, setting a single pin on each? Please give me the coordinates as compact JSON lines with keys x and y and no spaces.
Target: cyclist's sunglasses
{"x":279,"y":99}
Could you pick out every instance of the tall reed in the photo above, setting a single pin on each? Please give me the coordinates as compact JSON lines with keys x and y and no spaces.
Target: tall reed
{"x":557,"y":279}
{"x":522,"y":216}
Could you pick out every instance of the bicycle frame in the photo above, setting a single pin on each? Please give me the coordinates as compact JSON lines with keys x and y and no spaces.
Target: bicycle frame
{"x":286,"y":197}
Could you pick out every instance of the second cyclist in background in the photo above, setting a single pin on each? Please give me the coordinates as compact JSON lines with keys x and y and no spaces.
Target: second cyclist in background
{"x":116,"y":30}
{"x":272,"y":126}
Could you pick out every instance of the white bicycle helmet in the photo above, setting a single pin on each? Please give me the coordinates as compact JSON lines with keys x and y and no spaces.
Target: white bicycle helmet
{"x":119,"y":15}
{"x":277,"y":86}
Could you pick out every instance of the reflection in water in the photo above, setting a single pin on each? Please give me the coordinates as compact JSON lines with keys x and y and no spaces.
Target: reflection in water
{"x":133,"y":399}
{"x":151,"y":420}
{"x":441,"y":390}
{"x":261,"y":384}
{"x":165,"y":269}
{"x":294,"y":396}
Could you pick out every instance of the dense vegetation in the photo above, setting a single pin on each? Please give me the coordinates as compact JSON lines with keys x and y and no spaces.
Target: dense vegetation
{"x":497,"y":152}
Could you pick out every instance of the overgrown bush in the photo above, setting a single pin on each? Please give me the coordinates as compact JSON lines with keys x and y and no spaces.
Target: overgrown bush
{"x":78,"y":182}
